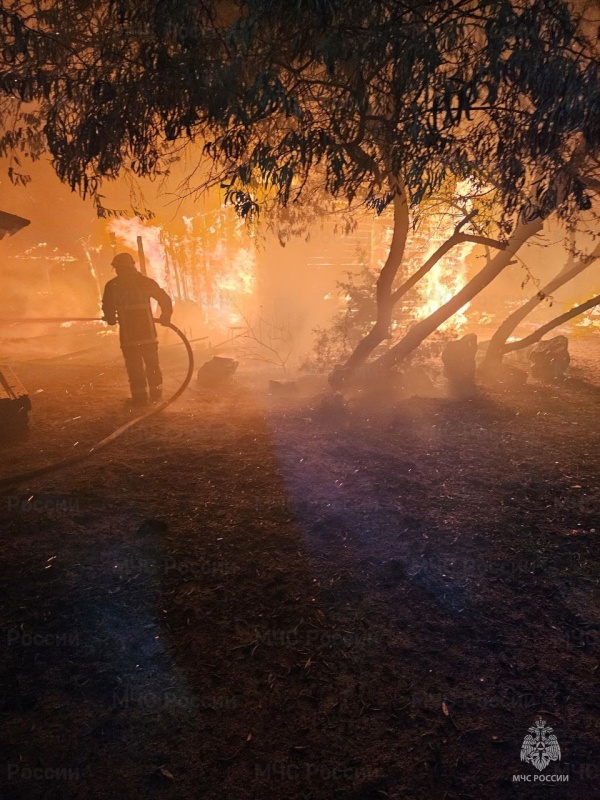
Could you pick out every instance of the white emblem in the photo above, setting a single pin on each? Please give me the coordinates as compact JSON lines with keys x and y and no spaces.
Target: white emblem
{"x":541,"y":748}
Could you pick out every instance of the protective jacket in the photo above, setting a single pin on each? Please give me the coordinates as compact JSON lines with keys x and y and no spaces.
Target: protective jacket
{"x":126,"y":300}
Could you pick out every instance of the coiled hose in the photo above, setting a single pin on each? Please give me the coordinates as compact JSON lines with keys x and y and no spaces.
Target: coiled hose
{"x":68,"y":462}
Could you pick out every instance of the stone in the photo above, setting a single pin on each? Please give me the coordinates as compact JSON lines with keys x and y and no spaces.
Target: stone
{"x":550,"y":359}
{"x":216,"y":372}
{"x":458,"y":358}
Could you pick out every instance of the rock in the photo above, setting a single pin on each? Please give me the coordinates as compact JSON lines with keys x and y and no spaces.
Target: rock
{"x":216,"y":372}
{"x":507,"y":372}
{"x":550,"y":359}
{"x":458,"y":358}
{"x":374,"y":382}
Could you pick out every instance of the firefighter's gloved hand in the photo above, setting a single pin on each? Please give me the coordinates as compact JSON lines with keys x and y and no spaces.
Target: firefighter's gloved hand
{"x":164,"y":320}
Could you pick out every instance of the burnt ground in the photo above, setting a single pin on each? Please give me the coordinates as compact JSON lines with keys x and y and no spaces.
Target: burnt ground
{"x":249,"y":598}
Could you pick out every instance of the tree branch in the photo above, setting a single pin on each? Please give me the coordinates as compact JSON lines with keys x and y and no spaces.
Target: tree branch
{"x":465,"y":220}
{"x":484,"y":240}
{"x":456,"y":238}
{"x":537,"y":335}
{"x":590,"y":183}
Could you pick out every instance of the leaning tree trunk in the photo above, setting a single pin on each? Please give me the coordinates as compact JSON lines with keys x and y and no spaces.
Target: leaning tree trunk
{"x":421,"y":330}
{"x":458,"y":237}
{"x":387,"y":299}
{"x":497,"y":346}
{"x":385,"y":281}
{"x":537,"y":335}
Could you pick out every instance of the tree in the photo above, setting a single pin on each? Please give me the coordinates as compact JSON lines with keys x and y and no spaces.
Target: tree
{"x":498,"y":344}
{"x":421,"y":330}
{"x":476,"y":147}
{"x":539,"y":334}
{"x":507,"y":127}
{"x":379,"y":103}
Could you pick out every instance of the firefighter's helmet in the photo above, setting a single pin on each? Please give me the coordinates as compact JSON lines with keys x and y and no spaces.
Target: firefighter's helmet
{"x":123,"y":261}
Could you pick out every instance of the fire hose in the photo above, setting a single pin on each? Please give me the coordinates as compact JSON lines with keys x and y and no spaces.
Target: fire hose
{"x":67,"y":462}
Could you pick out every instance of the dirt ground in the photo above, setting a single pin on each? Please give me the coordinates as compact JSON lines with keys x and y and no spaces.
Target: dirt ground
{"x":252,"y":597}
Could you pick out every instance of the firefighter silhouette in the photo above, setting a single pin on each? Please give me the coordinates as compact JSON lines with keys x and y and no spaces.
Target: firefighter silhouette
{"x":126,"y":301}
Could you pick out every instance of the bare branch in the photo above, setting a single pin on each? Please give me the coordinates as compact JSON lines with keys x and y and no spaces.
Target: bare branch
{"x":456,"y":239}
{"x":483,"y":240}
{"x":466,"y":220}
{"x":537,"y":335}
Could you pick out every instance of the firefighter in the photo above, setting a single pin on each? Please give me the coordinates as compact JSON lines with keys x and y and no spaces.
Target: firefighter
{"x":126,"y":300}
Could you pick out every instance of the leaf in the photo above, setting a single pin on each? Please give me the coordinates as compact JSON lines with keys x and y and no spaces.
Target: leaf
{"x":162,"y":774}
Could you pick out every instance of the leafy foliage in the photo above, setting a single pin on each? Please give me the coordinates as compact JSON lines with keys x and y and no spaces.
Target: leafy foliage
{"x":334,"y":344}
{"x":358,"y":94}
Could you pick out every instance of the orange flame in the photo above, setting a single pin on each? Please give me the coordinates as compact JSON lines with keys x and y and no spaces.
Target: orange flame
{"x":447,"y":277}
{"x":215,"y":269}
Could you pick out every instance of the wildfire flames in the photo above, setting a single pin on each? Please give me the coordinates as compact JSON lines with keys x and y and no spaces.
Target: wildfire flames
{"x":442,"y":282}
{"x":447,"y":277}
{"x":212,"y":264}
